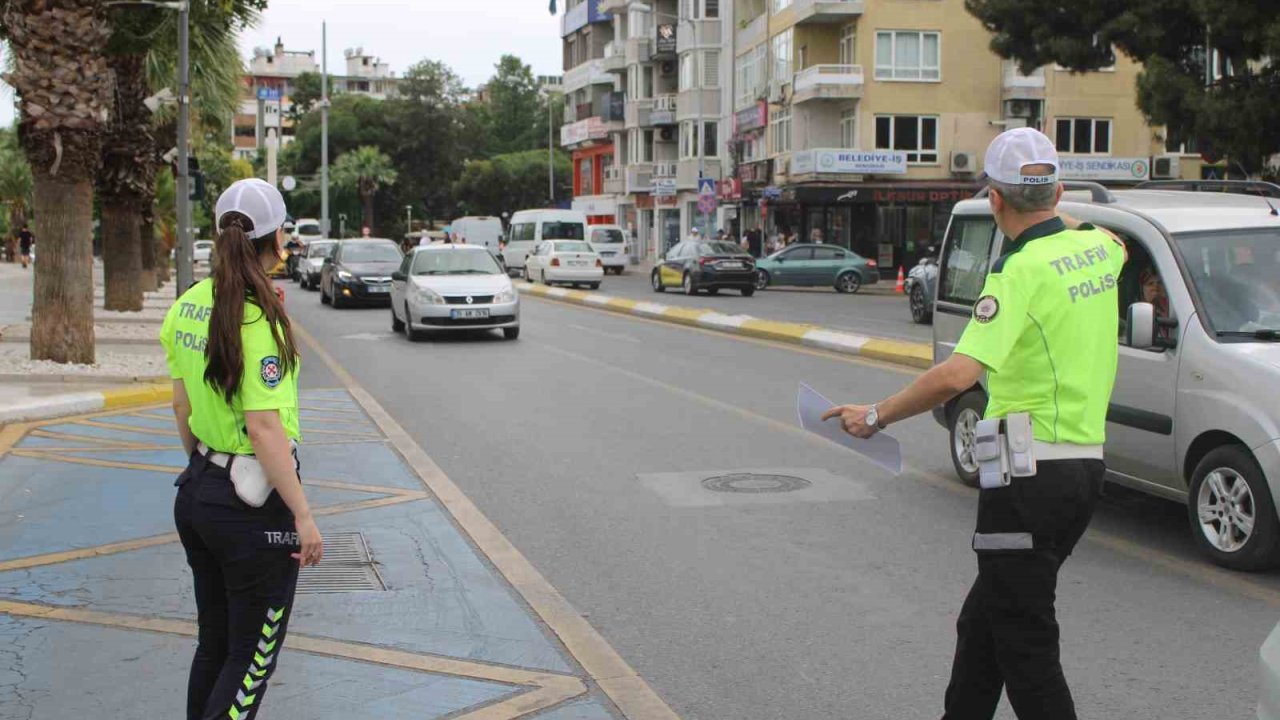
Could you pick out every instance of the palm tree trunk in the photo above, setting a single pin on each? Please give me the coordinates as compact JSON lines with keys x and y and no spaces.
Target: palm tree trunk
{"x":121,"y":255}
{"x":62,"y":309}
{"x":147,"y":235}
{"x":368,"y":211}
{"x":127,"y":171}
{"x":161,"y":248}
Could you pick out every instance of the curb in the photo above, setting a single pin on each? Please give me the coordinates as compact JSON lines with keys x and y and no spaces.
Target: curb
{"x":917,"y":355}
{"x":80,"y":403}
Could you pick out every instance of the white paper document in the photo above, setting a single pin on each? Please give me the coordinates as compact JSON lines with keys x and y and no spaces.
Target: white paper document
{"x":880,"y":448}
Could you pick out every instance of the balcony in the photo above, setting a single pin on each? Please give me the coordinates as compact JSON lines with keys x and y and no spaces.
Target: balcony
{"x":827,"y":11}
{"x":698,"y":104}
{"x":639,"y":178}
{"x":754,"y":32}
{"x":697,"y":34}
{"x":664,"y":170}
{"x":827,"y":82}
{"x":591,"y":72}
{"x":586,"y":132}
{"x":687,"y":172}
{"x":613,"y":184}
{"x":612,"y":6}
{"x":1022,"y":87}
{"x":581,"y":15}
{"x":638,"y":50}
{"x":639,"y":114}
{"x":664,"y":110}
{"x":615,"y":58}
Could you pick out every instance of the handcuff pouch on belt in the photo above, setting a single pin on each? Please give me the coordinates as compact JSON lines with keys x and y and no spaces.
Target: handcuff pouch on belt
{"x":1004,"y":448}
{"x":250,"y":480}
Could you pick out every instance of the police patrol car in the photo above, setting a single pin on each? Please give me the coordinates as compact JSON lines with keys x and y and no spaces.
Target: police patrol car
{"x":1194,"y":416}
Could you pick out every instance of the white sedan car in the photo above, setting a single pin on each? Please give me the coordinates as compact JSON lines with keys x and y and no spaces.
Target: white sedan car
{"x":571,"y":262}
{"x":441,"y":288}
{"x":201,"y":250}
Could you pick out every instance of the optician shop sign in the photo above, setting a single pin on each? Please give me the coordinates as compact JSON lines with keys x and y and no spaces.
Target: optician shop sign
{"x":1105,"y":168}
{"x":849,"y":162}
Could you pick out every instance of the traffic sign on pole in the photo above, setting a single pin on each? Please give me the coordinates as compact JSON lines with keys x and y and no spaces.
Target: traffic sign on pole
{"x":706,"y":186}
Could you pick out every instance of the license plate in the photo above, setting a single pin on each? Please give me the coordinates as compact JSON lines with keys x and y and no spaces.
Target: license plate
{"x":469,"y":314}
{"x":732,"y":265}
{"x":375,"y":289}
{"x":607,"y":254}
{"x":577,"y":263}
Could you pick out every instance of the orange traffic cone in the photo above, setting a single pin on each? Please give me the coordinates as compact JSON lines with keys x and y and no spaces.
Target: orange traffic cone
{"x":901,"y":287}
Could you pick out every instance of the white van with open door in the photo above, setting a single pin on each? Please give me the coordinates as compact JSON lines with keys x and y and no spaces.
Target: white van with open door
{"x":530,"y":227}
{"x":478,"y":230}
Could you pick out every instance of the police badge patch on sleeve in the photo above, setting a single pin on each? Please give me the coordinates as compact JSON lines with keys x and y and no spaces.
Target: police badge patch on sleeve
{"x":986,"y":309}
{"x":270,"y":372}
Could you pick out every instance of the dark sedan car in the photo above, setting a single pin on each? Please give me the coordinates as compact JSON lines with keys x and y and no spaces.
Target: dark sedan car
{"x":712,"y":266}
{"x":359,"y":272}
{"x":812,"y":265}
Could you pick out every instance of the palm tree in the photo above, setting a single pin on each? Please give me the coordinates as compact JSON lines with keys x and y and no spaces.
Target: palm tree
{"x":15,"y":188}
{"x":60,"y":76}
{"x":364,"y":170}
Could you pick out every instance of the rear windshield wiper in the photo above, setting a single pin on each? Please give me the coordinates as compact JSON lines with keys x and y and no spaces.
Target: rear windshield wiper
{"x":1267,"y":334}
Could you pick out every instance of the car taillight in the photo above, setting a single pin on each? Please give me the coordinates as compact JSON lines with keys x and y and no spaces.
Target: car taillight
{"x":872,"y":263}
{"x":706,"y":260}
{"x":555,"y":262}
{"x":599,"y":262}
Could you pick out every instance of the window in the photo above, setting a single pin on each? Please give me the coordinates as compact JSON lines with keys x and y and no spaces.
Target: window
{"x":849,"y":129}
{"x":699,"y":138}
{"x":699,"y":9}
{"x":523,"y":232}
{"x":687,"y":63}
{"x":688,"y":139}
{"x":711,"y":69}
{"x":780,"y":131}
{"x":780,"y":5}
{"x":825,"y":253}
{"x":710,"y":143}
{"x":782,"y":56}
{"x":915,"y":134}
{"x":585,"y":184}
{"x":848,"y":44}
{"x":646,"y":81}
{"x":966,"y":258}
{"x":646,"y":146}
{"x":754,"y":148}
{"x":798,"y":254}
{"x":1084,"y":136}
{"x":711,"y":9}
{"x":908,"y":55}
{"x":753,"y":75}
{"x":638,"y":23}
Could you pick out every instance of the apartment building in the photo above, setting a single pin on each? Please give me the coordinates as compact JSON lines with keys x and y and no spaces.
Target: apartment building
{"x":268,"y":86}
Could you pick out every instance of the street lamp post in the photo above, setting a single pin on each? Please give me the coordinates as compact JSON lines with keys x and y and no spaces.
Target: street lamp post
{"x":324,"y":130}
{"x":408,"y":219}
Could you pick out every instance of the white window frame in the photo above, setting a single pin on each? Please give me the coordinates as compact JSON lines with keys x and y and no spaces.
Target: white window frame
{"x":710,"y":149}
{"x":710,"y":74}
{"x":780,"y":132}
{"x":639,"y":23}
{"x":918,"y":155}
{"x":781,"y":50}
{"x":920,"y":72}
{"x":780,"y":5}
{"x":752,"y":70}
{"x":1093,"y":134}
{"x":697,"y":9}
{"x":689,"y":139}
{"x":849,"y":129}
{"x":755,"y":147}
{"x":849,"y":44}
{"x":688,"y":71}
{"x":647,"y":139}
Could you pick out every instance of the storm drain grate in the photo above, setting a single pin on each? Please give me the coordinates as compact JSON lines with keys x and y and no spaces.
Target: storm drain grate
{"x":755,"y":483}
{"x":346,"y":567}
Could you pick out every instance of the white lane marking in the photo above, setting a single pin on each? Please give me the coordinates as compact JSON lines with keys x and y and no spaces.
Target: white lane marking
{"x":602,"y":333}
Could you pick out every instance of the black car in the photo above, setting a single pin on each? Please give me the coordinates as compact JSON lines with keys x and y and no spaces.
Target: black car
{"x":712,"y":266}
{"x":359,"y":272}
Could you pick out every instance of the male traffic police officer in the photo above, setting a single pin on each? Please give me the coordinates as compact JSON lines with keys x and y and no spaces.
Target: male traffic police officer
{"x":1045,"y":331}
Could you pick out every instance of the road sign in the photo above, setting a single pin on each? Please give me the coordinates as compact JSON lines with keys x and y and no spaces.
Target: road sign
{"x":664,"y":187}
{"x":267,"y":93}
{"x":707,"y":204}
{"x":288,"y":183}
{"x":706,"y":186}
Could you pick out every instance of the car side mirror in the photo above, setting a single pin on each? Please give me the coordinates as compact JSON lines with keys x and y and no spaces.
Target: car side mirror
{"x":399,"y":276}
{"x":1140,"y":327}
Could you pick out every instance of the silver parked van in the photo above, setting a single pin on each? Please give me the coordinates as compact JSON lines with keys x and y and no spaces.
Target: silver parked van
{"x":1195,"y":415}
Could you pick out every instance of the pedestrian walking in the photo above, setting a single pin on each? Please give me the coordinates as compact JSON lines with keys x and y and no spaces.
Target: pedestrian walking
{"x":816,"y":236}
{"x":25,"y":241}
{"x":1032,"y":511}
{"x":241,"y":513}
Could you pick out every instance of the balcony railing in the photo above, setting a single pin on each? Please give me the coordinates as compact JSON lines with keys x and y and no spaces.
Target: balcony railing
{"x":639,"y":178}
{"x":613,"y":180}
{"x":828,"y":82}
{"x":664,"y":110}
{"x":827,"y":11}
{"x":591,"y":72}
{"x":615,"y":56}
{"x":664,"y":170}
{"x":696,"y":34}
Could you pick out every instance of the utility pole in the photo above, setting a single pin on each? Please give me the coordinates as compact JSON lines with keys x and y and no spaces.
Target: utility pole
{"x":324,"y":129}
{"x":551,"y":158}
{"x":408,"y":219}
{"x":186,"y":275}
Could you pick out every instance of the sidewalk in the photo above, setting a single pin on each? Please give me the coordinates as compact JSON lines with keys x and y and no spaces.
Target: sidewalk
{"x":403,"y":619}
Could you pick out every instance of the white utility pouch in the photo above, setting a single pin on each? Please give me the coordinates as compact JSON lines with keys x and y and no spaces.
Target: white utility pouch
{"x":250,"y":480}
{"x":989,"y":451}
{"x":1022,"y":444}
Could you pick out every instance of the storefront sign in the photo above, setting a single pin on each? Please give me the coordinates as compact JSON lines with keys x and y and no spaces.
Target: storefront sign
{"x":849,"y":162}
{"x":772,"y":192}
{"x":666,"y":43}
{"x":885,"y":255}
{"x":753,"y":118}
{"x":595,"y":205}
{"x":664,"y":187}
{"x":1105,"y":168}
{"x":754,"y":173}
{"x":617,"y":106}
{"x":731,"y":189}
{"x":577,"y":133}
{"x":884,"y":194}
{"x":665,"y":201}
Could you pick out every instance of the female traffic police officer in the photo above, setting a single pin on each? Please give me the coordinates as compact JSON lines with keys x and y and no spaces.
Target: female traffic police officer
{"x":1050,"y":350}
{"x":241,"y":513}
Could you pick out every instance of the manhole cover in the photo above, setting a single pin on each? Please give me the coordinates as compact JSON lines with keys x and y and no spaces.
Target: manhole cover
{"x":346,"y":567}
{"x":754,"y":483}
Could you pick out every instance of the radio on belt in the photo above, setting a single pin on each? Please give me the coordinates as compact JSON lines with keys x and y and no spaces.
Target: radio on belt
{"x":1004,"y":449}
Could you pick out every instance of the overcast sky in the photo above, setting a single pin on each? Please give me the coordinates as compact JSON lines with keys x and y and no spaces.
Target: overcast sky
{"x":469,"y":35}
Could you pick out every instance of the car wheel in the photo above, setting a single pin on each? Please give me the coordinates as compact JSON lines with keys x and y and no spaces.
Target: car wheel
{"x":713,"y":291}
{"x":849,"y":282}
{"x":336,"y":301}
{"x":762,"y":279}
{"x":920,"y":312}
{"x":409,"y":331}
{"x":397,"y":325}
{"x":748,"y":291}
{"x":511,"y":333}
{"x":964,"y":425}
{"x":687,"y":284}
{"x":1232,"y":516}
{"x":593,"y":286}
{"x":324,"y":296}
{"x":655,"y":279}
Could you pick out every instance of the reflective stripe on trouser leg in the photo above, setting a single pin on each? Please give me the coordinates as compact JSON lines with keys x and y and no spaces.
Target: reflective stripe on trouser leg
{"x":1003,"y":541}
{"x":261,"y":664}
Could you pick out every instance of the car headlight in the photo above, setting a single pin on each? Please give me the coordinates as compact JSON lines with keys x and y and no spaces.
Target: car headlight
{"x":344,"y":276}
{"x":506,"y":296}
{"x":427,"y":296}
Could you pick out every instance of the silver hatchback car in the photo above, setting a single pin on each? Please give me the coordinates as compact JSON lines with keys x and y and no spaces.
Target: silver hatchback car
{"x":1195,"y":415}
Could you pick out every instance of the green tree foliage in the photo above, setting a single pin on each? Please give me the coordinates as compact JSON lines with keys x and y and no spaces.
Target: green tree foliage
{"x":511,"y":116}
{"x":15,"y":186}
{"x":306,"y":93}
{"x":506,"y":183}
{"x":364,"y":170}
{"x":1231,"y":111}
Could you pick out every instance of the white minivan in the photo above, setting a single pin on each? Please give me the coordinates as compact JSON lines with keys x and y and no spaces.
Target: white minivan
{"x":1194,"y":416}
{"x":483,"y":231}
{"x":531,"y":227}
{"x":611,"y":242}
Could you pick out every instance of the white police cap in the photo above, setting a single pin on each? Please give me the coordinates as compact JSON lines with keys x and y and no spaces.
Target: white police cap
{"x":1013,"y":150}
{"x":257,"y":200}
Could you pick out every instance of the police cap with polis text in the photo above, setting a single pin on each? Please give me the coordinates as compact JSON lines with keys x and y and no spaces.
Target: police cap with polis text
{"x":1014,"y":150}
{"x":257,"y":200}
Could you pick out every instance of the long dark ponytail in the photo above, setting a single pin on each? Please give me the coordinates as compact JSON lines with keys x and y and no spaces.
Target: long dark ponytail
{"x":238,"y":277}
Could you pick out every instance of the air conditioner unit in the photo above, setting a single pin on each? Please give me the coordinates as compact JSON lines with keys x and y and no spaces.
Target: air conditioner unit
{"x":668,"y":68}
{"x":963,"y":162}
{"x":667,"y":134}
{"x":1019,"y":108}
{"x":1165,"y":167}
{"x":775,"y":92}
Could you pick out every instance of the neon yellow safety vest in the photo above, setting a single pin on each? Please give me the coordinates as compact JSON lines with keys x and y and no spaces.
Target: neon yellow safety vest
{"x":1047,"y":329}
{"x":264,"y":386}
